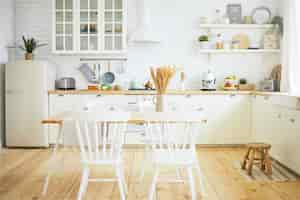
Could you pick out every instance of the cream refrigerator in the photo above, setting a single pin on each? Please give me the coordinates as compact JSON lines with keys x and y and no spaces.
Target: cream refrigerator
{"x":27,"y":84}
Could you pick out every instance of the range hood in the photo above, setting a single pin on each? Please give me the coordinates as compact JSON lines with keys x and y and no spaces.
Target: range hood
{"x":144,"y":32}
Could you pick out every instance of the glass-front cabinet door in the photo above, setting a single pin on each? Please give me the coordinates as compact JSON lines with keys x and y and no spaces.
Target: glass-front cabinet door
{"x":114,"y":25}
{"x":64,"y":40}
{"x":90,"y":26}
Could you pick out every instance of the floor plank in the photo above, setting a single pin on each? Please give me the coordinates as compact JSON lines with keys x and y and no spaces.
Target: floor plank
{"x":22,"y":174}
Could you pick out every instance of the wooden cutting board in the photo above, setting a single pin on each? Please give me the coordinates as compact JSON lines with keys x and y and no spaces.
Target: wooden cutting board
{"x":243,"y":40}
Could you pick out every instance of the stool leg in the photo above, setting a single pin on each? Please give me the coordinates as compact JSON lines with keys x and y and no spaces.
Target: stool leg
{"x":250,"y":165}
{"x":262,"y":161}
{"x":246,"y":158}
{"x":268,"y":163}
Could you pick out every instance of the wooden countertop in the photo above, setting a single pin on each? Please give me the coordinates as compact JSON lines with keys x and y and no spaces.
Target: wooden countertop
{"x":170,"y":92}
{"x":145,"y":92}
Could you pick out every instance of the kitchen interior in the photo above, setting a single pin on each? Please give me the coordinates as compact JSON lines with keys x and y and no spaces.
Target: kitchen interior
{"x":230,"y":67}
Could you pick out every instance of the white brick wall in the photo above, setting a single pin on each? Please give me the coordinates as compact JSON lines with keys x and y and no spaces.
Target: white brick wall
{"x":34,"y":19}
{"x":7,"y":27}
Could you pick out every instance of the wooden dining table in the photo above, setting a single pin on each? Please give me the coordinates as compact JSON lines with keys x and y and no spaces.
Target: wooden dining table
{"x":134,"y":118}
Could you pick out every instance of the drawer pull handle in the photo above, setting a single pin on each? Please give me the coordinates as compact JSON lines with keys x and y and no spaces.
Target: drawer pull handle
{"x":61,"y":95}
{"x":98,"y":95}
{"x":200,"y":109}
{"x":132,"y":103}
{"x":292,"y":120}
{"x":266,"y":97}
{"x":112,"y":109}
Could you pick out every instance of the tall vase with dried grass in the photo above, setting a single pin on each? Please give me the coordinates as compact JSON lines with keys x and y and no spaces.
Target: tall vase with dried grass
{"x":161,"y":78}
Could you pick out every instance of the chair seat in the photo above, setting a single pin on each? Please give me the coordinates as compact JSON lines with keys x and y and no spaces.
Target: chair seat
{"x":177,"y":157}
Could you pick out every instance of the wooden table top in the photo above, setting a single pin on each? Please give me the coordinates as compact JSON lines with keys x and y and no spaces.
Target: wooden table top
{"x":133,"y":117}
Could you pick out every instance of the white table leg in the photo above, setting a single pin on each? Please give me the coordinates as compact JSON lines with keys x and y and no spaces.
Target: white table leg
{"x":52,"y":160}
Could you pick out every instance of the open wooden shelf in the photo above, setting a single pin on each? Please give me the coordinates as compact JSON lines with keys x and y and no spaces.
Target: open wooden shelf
{"x":240,"y":51}
{"x":237,"y":26}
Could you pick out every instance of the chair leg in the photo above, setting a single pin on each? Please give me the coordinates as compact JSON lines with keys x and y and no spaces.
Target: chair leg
{"x":121,"y":183}
{"x":202,"y":181}
{"x":143,"y":165}
{"x":52,"y":161}
{"x":124,"y":180}
{"x":192,"y":183}
{"x":84,"y":183}
{"x":178,"y":175}
{"x":153,"y":184}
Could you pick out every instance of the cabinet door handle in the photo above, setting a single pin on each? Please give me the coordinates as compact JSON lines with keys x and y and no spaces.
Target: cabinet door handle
{"x":266,"y":98}
{"x":200,"y":109}
{"x":98,"y":95}
{"x":292,"y":120}
{"x":233,"y":95}
{"x":112,"y":108}
{"x":279,"y":116}
{"x":188,"y":96}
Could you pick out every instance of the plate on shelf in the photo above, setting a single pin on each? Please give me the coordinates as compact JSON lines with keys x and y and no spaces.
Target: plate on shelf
{"x":261,"y":15}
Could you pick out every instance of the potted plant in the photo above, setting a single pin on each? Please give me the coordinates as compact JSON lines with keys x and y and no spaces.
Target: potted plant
{"x":29,"y":45}
{"x":277,"y":21}
{"x":204,"y":42}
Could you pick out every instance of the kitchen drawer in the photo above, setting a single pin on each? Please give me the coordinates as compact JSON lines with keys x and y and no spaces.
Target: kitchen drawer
{"x":112,"y":102}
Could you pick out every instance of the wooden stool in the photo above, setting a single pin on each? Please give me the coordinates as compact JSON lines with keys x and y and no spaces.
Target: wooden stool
{"x":258,"y":152}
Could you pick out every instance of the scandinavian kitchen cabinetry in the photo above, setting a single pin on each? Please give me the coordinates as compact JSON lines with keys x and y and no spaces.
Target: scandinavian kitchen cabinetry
{"x":228,"y":118}
{"x":228,"y":115}
{"x":58,"y":104}
{"x":278,"y":125}
{"x":89,"y":26}
{"x":64,"y":26}
{"x":290,"y":139}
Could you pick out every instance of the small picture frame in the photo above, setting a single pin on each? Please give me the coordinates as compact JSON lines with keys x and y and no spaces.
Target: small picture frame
{"x":234,"y":12}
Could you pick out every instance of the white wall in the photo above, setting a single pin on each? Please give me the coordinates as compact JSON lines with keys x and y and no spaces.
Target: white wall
{"x":177,"y":22}
{"x":7,"y":36}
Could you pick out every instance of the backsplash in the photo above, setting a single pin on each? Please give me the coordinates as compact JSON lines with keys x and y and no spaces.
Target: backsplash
{"x":178,"y":33}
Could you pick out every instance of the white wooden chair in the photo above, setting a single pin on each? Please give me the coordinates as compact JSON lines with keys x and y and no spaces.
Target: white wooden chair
{"x":100,"y":146}
{"x":172,"y":144}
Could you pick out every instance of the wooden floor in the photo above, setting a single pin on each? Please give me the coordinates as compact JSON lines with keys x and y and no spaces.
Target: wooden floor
{"x":22,"y":173}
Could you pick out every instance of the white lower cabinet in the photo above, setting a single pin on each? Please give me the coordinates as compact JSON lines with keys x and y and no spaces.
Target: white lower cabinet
{"x":58,"y":104}
{"x":228,"y":115}
{"x":291,"y":139}
{"x":228,"y":118}
{"x":279,"y":126}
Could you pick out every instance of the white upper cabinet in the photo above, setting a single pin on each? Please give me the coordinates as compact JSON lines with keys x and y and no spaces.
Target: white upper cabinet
{"x":64,"y":25}
{"x":89,"y":26}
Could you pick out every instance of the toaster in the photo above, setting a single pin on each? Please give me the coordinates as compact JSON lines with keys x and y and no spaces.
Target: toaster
{"x":267,"y":85}
{"x":66,"y":83}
